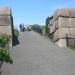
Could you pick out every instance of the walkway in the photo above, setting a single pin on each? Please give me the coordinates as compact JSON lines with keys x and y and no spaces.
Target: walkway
{"x":36,"y":55}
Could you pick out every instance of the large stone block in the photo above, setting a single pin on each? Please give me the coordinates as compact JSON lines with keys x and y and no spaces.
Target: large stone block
{"x":61,"y":42}
{"x":5,"y":11}
{"x":64,"y":22}
{"x":52,"y":28}
{"x":56,"y":23}
{"x":72,"y":12}
{"x":64,"y":12}
{"x":61,"y":12}
{"x":72,"y":22}
{"x":5,"y":29}
{"x":5,"y":20}
{"x":61,"y":33}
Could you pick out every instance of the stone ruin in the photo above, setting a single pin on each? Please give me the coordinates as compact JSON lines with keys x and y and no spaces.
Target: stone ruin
{"x":61,"y":23}
{"x":6,"y":22}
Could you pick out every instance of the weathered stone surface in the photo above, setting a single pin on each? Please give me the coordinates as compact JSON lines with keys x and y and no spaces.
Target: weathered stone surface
{"x":5,"y":20}
{"x":61,"y":42}
{"x":65,"y":22}
{"x":61,"y":33}
{"x":5,"y":11}
{"x":5,"y":29}
{"x":72,"y":12}
{"x":61,"y":12}
{"x":65,"y":12}
{"x":72,"y":24}
{"x":52,"y":29}
{"x":62,"y":23}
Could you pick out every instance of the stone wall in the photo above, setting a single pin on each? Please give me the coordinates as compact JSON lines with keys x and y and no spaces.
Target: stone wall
{"x":6,"y":22}
{"x":62,"y":23}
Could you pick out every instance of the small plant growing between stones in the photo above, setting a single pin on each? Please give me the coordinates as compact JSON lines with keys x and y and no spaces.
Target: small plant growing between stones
{"x":4,"y":50}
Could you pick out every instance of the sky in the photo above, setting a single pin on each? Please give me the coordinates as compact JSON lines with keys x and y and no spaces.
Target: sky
{"x":34,"y":11}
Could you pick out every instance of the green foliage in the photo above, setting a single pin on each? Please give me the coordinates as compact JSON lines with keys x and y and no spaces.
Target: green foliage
{"x":36,"y":28}
{"x":4,"y":39}
{"x":5,"y":56}
{"x":4,"y":52}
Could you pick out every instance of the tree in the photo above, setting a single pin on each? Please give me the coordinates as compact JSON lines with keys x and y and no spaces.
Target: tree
{"x":37,"y":28}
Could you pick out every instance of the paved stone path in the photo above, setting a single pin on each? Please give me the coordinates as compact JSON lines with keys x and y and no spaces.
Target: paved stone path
{"x":37,"y":55}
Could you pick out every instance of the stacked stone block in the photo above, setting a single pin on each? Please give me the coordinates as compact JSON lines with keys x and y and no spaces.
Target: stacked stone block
{"x":63,"y":23}
{"x":6,"y":22}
